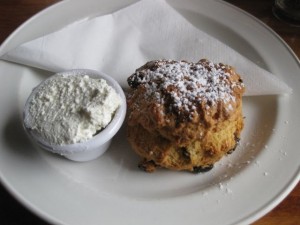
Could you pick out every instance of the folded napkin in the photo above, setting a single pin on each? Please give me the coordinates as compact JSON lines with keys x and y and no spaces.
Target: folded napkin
{"x":120,"y":42}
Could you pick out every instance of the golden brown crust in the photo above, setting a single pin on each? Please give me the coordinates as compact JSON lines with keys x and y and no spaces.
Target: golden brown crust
{"x":214,"y":144}
{"x":183,"y":115}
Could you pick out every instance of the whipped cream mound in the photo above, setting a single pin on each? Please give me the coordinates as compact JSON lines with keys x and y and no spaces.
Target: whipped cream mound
{"x":68,"y":109}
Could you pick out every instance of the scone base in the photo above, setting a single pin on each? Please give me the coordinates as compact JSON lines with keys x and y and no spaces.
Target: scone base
{"x":196,"y":156}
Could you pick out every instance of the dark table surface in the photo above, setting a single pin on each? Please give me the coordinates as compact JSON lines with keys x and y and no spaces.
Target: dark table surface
{"x":15,"y":12}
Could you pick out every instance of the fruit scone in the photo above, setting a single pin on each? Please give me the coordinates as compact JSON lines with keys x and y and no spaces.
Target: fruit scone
{"x":184,"y":115}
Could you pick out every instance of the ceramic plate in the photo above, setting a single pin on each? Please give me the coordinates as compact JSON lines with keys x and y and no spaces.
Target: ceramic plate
{"x":111,"y":190}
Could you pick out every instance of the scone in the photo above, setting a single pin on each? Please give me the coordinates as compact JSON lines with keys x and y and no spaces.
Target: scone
{"x":184,"y":115}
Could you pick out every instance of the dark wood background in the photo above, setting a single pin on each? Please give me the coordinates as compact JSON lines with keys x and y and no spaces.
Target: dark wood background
{"x":15,"y":12}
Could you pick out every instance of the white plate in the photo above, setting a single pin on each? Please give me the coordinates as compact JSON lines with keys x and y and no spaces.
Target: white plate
{"x":111,"y":190}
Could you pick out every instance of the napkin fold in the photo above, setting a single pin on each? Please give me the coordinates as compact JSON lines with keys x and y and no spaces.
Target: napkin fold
{"x":120,"y":42}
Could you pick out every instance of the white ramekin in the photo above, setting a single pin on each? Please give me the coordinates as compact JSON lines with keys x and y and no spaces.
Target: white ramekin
{"x":96,"y":146}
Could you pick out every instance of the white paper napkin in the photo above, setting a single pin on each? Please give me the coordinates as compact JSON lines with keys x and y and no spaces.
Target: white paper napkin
{"x":120,"y":42}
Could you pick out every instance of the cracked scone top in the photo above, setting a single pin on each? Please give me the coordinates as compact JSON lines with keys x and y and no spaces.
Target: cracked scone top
{"x":169,"y":93}
{"x":182,"y":103}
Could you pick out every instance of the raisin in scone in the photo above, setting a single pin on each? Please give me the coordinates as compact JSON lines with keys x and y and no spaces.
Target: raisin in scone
{"x":184,"y":115}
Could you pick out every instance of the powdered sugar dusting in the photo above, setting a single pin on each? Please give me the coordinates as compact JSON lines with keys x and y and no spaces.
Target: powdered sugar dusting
{"x":182,"y":85}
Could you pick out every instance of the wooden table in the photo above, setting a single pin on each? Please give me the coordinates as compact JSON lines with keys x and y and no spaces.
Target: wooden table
{"x":14,"y":12}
